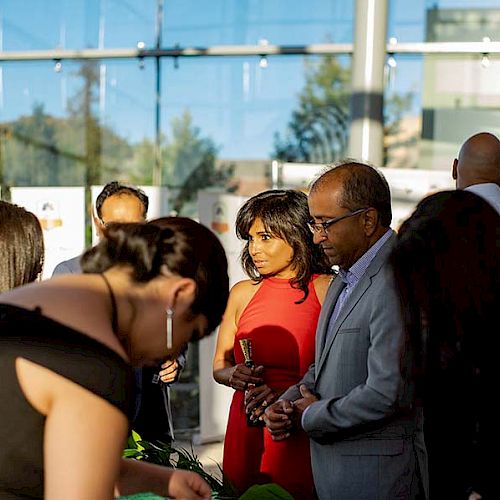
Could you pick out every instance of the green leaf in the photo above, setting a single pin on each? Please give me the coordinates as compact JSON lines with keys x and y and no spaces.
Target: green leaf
{"x":269,"y":491}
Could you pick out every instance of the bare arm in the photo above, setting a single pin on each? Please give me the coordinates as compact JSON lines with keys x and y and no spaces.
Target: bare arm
{"x":321,"y":284}
{"x":83,"y":434}
{"x":225,"y":369}
{"x":136,"y":477}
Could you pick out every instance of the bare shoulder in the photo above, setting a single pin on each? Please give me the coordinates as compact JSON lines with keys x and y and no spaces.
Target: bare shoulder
{"x":321,"y":284}
{"x":241,"y":294}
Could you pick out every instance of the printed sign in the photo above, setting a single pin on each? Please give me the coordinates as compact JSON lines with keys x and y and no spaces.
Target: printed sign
{"x":62,"y":217}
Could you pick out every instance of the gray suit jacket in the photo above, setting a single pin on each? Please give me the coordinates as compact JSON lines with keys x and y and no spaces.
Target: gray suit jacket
{"x":71,"y":266}
{"x":364,"y":432}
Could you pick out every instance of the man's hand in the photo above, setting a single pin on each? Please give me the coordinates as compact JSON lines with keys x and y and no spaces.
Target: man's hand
{"x":169,"y":371}
{"x":300,"y":405}
{"x":188,"y":485}
{"x":278,"y":419}
{"x":241,"y":376}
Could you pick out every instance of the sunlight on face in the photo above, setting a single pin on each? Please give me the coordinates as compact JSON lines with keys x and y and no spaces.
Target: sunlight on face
{"x":122,"y":207}
{"x":271,"y":255}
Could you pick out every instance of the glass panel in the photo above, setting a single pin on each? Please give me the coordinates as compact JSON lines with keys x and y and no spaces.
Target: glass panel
{"x":435,"y":103}
{"x":81,"y":125}
{"x":226,"y":118}
{"x":440,"y":100}
{"x":239,"y":22}
{"x":76,"y":24}
{"x":444,"y":20}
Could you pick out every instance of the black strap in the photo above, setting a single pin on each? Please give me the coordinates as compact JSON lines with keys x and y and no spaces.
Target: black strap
{"x":114,"y":310}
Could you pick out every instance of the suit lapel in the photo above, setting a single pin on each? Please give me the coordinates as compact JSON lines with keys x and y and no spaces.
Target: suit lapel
{"x":325,"y":314}
{"x":358,"y":292}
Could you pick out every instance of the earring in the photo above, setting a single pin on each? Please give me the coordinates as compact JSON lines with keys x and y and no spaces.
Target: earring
{"x":170,"y":328}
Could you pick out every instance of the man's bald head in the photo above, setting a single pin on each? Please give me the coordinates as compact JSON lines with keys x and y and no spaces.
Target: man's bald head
{"x":478,"y":161}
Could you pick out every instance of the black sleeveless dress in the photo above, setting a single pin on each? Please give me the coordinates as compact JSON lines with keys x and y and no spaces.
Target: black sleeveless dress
{"x":30,"y":335}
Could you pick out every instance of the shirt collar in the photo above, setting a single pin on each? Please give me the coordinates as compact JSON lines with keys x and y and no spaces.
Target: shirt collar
{"x":356,"y":271}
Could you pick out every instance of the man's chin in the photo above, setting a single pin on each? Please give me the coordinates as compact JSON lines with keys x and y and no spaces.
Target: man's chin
{"x":331,"y":256}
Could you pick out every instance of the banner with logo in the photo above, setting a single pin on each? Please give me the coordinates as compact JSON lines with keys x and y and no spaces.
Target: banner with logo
{"x":61,"y":211}
{"x":218,"y":212}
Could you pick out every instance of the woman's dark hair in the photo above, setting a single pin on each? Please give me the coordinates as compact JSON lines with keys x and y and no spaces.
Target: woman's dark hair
{"x":284,"y":214}
{"x":187,"y":248}
{"x":21,"y":246}
{"x":446,"y":266}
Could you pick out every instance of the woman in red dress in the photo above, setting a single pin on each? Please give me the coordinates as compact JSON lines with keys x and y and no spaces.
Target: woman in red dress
{"x":276,"y":310}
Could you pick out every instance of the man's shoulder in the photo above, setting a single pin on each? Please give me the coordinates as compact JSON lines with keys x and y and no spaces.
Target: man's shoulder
{"x":70,"y":266}
{"x":490,"y":192}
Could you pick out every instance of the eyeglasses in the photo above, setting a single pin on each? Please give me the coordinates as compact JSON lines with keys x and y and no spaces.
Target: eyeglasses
{"x":322,"y":227}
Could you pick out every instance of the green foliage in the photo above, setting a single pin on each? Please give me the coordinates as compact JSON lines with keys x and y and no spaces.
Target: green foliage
{"x":266,"y":492}
{"x":41,"y":150}
{"x":318,"y":129}
{"x":165,"y":454}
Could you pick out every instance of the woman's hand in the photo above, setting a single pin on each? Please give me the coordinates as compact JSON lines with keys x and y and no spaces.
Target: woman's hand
{"x":188,"y":485}
{"x":257,"y":399}
{"x":169,"y":371}
{"x":137,"y":476}
{"x":241,"y":376}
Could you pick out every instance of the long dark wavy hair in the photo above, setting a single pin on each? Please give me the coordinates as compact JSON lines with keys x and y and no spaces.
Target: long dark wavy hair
{"x":447,"y":269}
{"x":186,"y":247}
{"x":284,"y":214}
{"x":21,"y":246}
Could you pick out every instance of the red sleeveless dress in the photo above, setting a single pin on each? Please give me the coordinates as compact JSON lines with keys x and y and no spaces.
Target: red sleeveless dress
{"x":282,"y":335}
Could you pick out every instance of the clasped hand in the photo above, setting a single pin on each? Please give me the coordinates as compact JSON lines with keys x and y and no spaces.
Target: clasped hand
{"x":257,"y":398}
{"x":283,"y":416}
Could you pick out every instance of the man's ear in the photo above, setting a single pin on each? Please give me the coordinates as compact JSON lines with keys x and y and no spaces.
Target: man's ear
{"x":371,"y":219}
{"x":97,"y":224}
{"x":454,"y":169}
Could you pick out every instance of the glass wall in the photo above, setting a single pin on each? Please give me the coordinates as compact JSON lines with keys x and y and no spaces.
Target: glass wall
{"x":223,"y":120}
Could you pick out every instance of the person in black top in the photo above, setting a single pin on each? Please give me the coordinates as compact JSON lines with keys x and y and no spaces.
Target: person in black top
{"x":66,"y":348}
{"x":447,"y":267}
{"x":152,"y":418}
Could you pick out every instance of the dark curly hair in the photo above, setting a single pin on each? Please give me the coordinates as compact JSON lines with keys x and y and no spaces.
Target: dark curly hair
{"x":284,"y":214}
{"x":187,"y":248}
{"x":117,"y":188}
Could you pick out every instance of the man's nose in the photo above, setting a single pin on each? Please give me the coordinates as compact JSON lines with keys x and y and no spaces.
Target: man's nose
{"x":318,"y":237}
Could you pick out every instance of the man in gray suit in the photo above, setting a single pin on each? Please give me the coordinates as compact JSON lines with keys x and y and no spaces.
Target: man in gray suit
{"x":355,"y":401}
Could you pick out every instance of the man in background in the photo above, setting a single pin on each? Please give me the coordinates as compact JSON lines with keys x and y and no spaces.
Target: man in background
{"x":477,"y":168}
{"x":119,"y":202}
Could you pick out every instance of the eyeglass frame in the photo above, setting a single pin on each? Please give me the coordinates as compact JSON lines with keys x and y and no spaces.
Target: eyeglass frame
{"x":314,"y":227}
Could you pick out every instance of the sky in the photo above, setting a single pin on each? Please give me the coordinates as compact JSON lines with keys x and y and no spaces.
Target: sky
{"x":234,"y":101}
